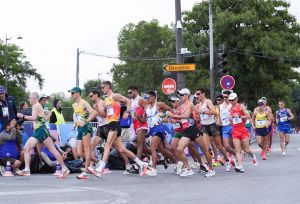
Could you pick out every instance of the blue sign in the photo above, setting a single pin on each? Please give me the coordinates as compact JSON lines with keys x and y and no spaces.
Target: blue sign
{"x":227,"y":82}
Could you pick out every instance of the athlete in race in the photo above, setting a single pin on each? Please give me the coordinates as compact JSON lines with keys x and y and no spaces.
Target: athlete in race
{"x":207,"y":113}
{"x":260,"y":123}
{"x":102,"y":131}
{"x":137,"y":109}
{"x":112,"y":112}
{"x":271,"y":126}
{"x":283,"y":120}
{"x":83,"y":115}
{"x":190,"y":133}
{"x":226,"y":125}
{"x":40,"y":135}
{"x":156,"y":129}
{"x":240,"y":135}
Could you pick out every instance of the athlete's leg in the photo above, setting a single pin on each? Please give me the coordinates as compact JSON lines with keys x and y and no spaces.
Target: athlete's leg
{"x":218,"y":142}
{"x":86,"y":143}
{"x":50,"y":146}
{"x":31,"y":143}
{"x":194,"y":153}
{"x":203,"y":142}
{"x":237,"y":149}
{"x":174,"y":145}
{"x":140,"y":142}
{"x":183,"y":143}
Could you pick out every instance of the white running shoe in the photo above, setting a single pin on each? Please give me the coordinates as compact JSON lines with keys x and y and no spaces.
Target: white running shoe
{"x":283,"y":153}
{"x":187,"y":172}
{"x":239,"y":169}
{"x":228,"y":166}
{"x":254,"y":161}
{"x":151,"y":172}
{"x":210,"y":173}
{"x":179,"y":167}
{"x":195,"y":165}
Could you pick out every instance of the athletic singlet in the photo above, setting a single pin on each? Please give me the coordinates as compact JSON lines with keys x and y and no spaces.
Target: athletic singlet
{"x":225,"y":114}
{"x":206,"y":119}
{"x":113,"y":109}
{"x":80,"y":112}
{"x":261,"y":120}
{"x":101,"y":121}
{"x":283,"y":117}
{"x":237,"y":121}
{"x":39,"y":122}
{"x":153,"y":117}
{"x":134,"y":105}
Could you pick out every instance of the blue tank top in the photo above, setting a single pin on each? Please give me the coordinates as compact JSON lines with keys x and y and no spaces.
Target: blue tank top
{"x":283,"y":118}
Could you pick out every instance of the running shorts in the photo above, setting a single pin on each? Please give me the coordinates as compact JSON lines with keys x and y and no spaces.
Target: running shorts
{"x":84,"y":130}
{"x":41,"y":133}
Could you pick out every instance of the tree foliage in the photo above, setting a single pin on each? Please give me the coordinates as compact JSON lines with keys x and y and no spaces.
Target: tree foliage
{"x":142,"y":40}
{"x":19,"y":70}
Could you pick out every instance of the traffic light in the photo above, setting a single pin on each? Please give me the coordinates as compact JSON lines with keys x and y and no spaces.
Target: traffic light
{"x":221,"y":64}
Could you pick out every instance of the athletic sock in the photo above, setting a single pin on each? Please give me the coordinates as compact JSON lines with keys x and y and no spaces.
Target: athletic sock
{"x":139,"y":162}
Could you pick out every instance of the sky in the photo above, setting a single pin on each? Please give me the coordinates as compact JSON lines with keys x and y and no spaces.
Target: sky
{"x":52,"y":30}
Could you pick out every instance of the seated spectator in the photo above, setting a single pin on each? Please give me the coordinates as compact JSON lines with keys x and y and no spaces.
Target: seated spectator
{"x":10,"y":145}
{"x":24,"y":109}
{"x":125,"y":123}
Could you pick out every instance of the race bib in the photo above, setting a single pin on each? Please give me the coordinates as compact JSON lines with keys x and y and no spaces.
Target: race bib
{"x":283,"y":119}
{"x":77,"y":118}
{"x":204,"y":117}
{"x":191,"y":122}
{"x":110,"y":111}
{"x":176,"y":125}
{"x":225,"y":121}
{"x":261,"y":122}
{"x":5,"y":111}
{"x":237,"y":120}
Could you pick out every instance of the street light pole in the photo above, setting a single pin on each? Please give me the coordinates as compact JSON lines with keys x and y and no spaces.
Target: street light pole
{"x":180,"y":77}
{"x":77,"y":68}
{"x":211,"y":53}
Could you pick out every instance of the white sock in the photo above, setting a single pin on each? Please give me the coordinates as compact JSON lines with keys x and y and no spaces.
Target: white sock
{"x":102,"y":165}
{"x":139,"y":162}
{"x":128,"y":166}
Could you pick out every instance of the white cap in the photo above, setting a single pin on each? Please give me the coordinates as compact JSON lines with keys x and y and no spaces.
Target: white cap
{"x":232,"y":96}
{"x":174,"y":98}
{"x":184,"y":91}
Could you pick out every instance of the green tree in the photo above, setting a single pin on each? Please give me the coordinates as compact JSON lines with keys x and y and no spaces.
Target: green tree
{"x":143,"y":40}
{"x":257,"y":35}
{"x":19,"y":70}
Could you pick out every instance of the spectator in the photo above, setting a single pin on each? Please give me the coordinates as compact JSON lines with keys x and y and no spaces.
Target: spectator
{"x":24,"y":109}
{"x":125,"y":123}
{"x":9,"y":148}
{"x":57,"y":116}
{"x":8,"y":110}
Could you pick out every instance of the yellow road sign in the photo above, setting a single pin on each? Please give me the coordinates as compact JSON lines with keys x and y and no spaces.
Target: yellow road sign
{"x":180,"y":67}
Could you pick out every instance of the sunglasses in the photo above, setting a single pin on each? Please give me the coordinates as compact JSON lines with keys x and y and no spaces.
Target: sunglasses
{"x":219,"y":99}
{"x":129,"y":92}
{"x":225,"y":96}
{"x":232,"y":100}
{"x":72,"y":93}
{"x":172,"y":101}
{"x":91,"y":96}
{"x":198,"y":94}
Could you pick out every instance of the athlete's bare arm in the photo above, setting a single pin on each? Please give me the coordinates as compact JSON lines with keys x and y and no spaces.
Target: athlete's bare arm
{"x":119,"y":97}
{"x":211,"y":107}
{"x":291,"y":114}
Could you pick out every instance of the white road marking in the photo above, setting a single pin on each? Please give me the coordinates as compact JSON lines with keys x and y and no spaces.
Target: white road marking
{"x":273,"y":149}
{"x":32,"y":192}
{"x":80,"y":202}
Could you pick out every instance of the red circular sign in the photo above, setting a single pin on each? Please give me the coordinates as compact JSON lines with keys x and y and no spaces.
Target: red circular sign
{"x":169,"y":86}
{"x":227,"y":82}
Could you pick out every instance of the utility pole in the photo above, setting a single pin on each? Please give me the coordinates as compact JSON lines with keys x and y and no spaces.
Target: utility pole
{"x":211,"y":54}
{"x":77,"y":68}
{"x":180,"y":77}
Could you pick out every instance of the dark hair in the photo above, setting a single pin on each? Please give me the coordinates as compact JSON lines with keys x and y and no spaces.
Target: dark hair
{"x":107,"y":83}
{"x":22,"y":104}
{"x":95,"y":92}
{"x":133,"y":88}
{"x":55,"y":102}
{"x":281,"y":100}
{"x":7,"y":123}
{"x":220,"y":96}
{"x":202,"y":90}
{"x":152,"y":93}
{"x":227,"y":92}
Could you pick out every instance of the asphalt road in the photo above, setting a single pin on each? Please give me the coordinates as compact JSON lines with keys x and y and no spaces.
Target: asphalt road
{"x":273,"y":181}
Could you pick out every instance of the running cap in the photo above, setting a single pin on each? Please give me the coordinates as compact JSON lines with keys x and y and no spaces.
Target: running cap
{"x":75,"y":89}
{"x":174,"y":98}
{"x":263,"y":98}
{"x":184,"y":91}
{"x":44,"y":96}
{"x":232,"y":96}
{"x":260,"y":102}
{"x":2,"y":90}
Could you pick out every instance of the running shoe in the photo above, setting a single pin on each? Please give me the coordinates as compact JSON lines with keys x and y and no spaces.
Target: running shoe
{"x":23,"y":173}
{"x":83,"y":175}
{"x":239,"y":169}
{"x":262,"y":153}
{"x":187,"y":172}
{"x":264,"y":157}
{"x":131,"y":170}
{"x":151,"y":172}
{"x":216,"y":163}
{"x":195,"y":165}
{"x":94,"y":172}
{"x":144,"y":169}
{"x":254,"y":161}
{"x":64,"y":173}
{"x":210,"y":173}
{"x":204,"y":167}
{"x":283,"y":153}
{"x":179,"y":167}
{"x":228,"y":166}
